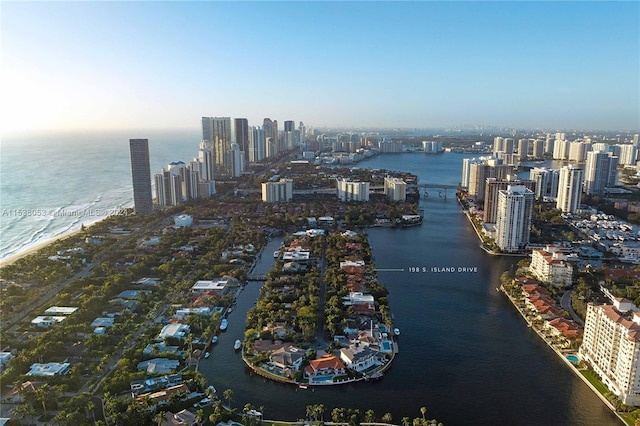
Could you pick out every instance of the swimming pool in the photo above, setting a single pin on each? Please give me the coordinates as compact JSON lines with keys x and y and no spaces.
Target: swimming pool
{"x":322,"y":379}
{"x":574,"y":359}
{"x":386,"y":346}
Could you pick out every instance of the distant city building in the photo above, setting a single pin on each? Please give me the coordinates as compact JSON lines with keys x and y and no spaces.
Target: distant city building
{"x":611,"y":345}
{"x":432,"y":147}
{"x":600,"y":172}
{"x":523,"y":149}
{"x":577,"y":151}
{"x":546,"y":182}
{"x":513,"y":222}
{"x":560,"y":149}
{"x":257,"y":147}
{"x":270,"y":129}
{"x":626,"y":154}
{"x":241,"y":137}
{"x":277,"y":192}
{"x":395,"y":188}
{"x":492,"y":191}
{"x":141,"y":176}
{"x":387,"y":147}
{"x":569,"y":189}
{"x":538,"y":148}
{"x":217,"y":130}
{"x":349,"y":190}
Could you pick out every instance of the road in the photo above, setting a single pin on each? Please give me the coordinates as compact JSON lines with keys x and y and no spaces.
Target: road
{"x":565,"y":302}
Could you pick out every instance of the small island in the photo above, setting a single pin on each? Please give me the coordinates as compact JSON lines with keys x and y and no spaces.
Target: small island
{"x":322,"y":317}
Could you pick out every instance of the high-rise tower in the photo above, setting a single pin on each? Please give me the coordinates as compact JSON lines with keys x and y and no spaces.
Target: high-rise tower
{"x":141,"y":176}
{"x":569,"y":189}
{"x":513,"y":222}
{"x":217,"y":130}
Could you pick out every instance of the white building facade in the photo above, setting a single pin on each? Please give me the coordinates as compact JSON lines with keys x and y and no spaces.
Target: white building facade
{"x":611,"y":344}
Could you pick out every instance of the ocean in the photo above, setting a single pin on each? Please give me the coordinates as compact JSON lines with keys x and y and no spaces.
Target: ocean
{"x":53,"y":184}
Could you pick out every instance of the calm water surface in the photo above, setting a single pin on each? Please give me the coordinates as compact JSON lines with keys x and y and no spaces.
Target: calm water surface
{"x":465,"y":353}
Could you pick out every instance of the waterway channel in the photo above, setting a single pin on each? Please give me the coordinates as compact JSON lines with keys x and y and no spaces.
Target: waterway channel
{"x":465,"y":353}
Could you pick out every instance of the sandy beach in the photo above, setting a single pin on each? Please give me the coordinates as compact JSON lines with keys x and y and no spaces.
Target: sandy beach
{"x":36,"y":247}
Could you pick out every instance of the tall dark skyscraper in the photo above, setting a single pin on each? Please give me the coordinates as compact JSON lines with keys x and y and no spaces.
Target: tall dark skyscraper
{"x":241,"y":134}
{"x":141,"y":176}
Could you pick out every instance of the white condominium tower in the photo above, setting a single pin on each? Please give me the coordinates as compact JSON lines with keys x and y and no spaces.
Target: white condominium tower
{"x":513,"y":222}
{"x":277,"y":192}
{"x":600,"y":172}
{"x":569,"y":189}
{"x":611,"y":344}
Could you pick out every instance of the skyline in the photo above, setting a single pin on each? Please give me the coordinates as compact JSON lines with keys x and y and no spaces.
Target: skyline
{"x":119,"y":66}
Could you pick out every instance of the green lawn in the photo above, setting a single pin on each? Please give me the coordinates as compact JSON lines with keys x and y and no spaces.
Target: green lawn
{"x":595,"y":381}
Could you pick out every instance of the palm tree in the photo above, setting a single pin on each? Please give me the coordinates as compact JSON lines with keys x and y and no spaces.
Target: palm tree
{"x":228,"y":395}
{"x":387,"y":418}
{"x":369,"y":416}
{"x":423,"y":411}
{"x":406,"y":421}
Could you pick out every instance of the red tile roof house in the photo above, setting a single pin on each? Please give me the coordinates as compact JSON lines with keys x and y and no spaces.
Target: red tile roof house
{"x":328,"y":365}
{"x":565,"y":328}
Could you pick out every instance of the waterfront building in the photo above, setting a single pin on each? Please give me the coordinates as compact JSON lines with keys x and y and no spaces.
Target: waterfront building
{"x":626,"y":154}
{"x":560,"y":149}
{"x":277,"y":192}
{"x":466,"y":170}
{"x":600,"y":172}
{"x":546,"y":182}
{"x":387,"y":147}
{"x":395,"y":188}
{"x":480,"y":172}
{"x":492,"y":190}
{"x":141,"y":176}
{"x":523,"y":149}
{"x":549,"y":265}
{"x":509,"y":145}
{"x":548,"y":145}
{"x":611,"y":345}
{"x":538,"y":148}
{"x":577,"y":151}
{"x":432,"y":147}
{"x":569,"y":189}
{"x":513,"y":221}
{"x":351,"y":190}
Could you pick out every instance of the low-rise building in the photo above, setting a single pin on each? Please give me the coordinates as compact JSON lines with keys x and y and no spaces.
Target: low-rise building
{"x":49,"y":369}
{"x":178,"y":331}
{"x":46,"y":321}
{"x":550,"y":266}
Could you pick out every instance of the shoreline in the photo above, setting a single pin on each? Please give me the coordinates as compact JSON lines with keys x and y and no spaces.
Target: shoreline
{"x":37,"y":247}
{"x":563,"y":357}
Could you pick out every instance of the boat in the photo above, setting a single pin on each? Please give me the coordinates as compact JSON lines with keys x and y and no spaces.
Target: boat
{"x":214,"y":340}
{"x":237,"y":345}
{"x":212,"y":389}
{"x":396,"y":331}
{"x":276,"y":254}
{"x":206,"y":355}
{"x":303,"y":386}
{"x":230,"y":309}
{"x":223,"y":324}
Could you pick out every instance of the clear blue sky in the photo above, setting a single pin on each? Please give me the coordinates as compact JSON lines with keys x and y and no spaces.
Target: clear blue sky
{"x":120,"y":65}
